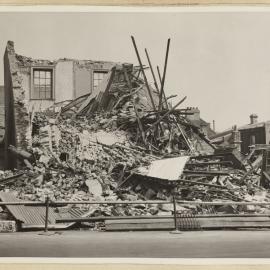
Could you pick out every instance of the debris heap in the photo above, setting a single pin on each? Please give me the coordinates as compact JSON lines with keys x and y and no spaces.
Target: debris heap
{"x":102,"y":146}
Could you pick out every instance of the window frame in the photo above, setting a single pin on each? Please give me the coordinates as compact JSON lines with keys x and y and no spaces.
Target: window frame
{"x":105,"y":71}
{"x":43,"y":68}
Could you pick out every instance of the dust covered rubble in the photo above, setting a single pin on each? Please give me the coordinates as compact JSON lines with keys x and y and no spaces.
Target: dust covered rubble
{"x":77,"y":161}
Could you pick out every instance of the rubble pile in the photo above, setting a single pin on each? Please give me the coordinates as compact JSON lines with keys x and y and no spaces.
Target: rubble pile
{"x":200,"y":188}
{"x":88,"y":154}
{"x":76,"y":163}
{"x":91,"y":159}
{"x":93,"y":148}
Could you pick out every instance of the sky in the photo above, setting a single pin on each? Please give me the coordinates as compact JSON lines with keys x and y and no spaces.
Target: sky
{"x":219,"y":60}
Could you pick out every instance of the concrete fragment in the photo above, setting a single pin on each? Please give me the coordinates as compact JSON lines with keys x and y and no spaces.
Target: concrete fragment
{"x":161,"y":195}
{"x":150,"y":193}
{"x":130,"y":197}
{"x":153,"y":210}
{"x":94,"y":187}
{"x":138,"y":188}
{"x":7,"y":226}
{"x":109,"y":138}
{"x":170,"y":207}
{"x":140,"y":206}
{"x":248,"y":208}
{"x":44,"y":159}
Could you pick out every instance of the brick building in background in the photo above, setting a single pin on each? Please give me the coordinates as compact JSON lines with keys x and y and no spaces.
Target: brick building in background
{"x":254,"y":133}
{"x":243,"y":137}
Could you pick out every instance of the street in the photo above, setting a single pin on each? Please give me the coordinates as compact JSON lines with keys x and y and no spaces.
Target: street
{"x":89,"y":244}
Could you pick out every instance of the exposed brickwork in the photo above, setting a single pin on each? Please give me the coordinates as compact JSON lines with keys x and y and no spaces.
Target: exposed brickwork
{"x":17,"y":120}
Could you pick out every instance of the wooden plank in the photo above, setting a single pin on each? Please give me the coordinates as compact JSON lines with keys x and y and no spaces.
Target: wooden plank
{"x":10,"y":178}
{"x":136,"y":221}
{"x":166,"y":114}
{"x":197,"y":172}
{"x":118,"y":225}
{"x":74,"y":103}
{"x":22,"y":153}
{"x":155,"y":217}
{"x":199,"y":183}
{"x":164,"y":75}
{"x":144,"y":76}
{"x":204,"y":223}
{"x":101,"y":88}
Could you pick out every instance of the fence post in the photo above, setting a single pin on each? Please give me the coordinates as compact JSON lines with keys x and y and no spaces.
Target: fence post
{"x":47,"y":204}
{"x":175,"y":216}
{"x":174,"y":213}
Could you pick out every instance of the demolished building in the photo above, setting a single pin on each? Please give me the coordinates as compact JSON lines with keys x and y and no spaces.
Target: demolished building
{"x":97,"y":131}
{"x":33,"y":85}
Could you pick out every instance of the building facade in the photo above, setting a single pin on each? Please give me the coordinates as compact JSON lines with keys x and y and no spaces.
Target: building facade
{"x":243,"y":137}
{"x":32,"y":85}
{"x":254,"y":133}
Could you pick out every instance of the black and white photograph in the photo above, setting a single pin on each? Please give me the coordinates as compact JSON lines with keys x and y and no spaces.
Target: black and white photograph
{"x":136,"y":132}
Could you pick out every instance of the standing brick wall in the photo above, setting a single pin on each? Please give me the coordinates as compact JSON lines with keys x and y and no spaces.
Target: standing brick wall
{"x":17,"y":120}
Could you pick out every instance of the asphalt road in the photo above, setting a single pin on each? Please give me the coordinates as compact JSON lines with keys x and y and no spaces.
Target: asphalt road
{"x":199,"y":244}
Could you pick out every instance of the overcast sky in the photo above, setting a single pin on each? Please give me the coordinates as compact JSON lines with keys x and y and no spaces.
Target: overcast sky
{"x":220,"y":61}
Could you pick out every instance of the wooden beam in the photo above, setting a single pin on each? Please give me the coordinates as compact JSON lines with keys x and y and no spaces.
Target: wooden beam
{"x":199,"y":183}
{"x":144,"y":76}
{"x":166,"y":114}
{"x":164,"y":74}
{"x":206,"y":172}
{"x":155,"y":81}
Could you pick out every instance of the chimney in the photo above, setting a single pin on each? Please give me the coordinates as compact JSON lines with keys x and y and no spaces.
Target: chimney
{"x":195,"y":116}
{"x":236,"y":142}
{"x":214,"y":125}
{"x":253,"y":118}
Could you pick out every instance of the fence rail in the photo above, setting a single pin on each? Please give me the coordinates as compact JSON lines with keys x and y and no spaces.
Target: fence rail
{"x":49,"y":203}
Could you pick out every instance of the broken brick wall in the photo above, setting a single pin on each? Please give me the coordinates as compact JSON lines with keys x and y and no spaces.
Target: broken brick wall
{"x":2,"y":113}
{"x":70,"y":79}
{"x":17,"y":120}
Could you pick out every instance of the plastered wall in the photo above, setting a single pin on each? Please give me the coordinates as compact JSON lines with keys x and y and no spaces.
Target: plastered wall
{"x":64,"y":81}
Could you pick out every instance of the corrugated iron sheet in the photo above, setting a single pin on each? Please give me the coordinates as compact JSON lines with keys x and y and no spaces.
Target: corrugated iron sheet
{"x":34,"y":216}
{"x":169,"y":169}
{"x":29,"y":215}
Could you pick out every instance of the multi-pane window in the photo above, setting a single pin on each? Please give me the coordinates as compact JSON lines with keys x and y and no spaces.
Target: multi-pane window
{"x":98,"y":77}
{"x":42,"y":84}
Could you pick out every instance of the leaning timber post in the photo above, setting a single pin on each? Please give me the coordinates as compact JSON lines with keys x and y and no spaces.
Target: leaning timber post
{"x":164,"y":75}
{"x":155,"y":81}
{"x":144,"y":76}
{"x":47,"y":204}
{"x":145,"y":81}
{"x":167,"y":113}
{"x":151,"y":68}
